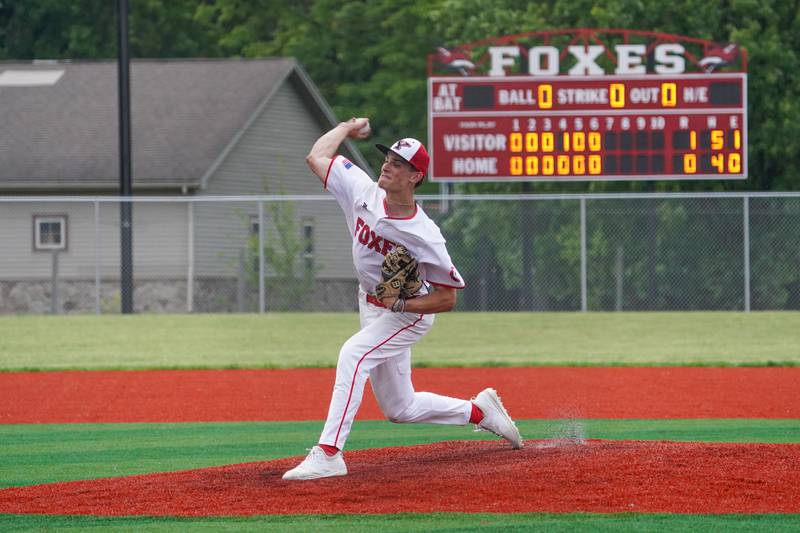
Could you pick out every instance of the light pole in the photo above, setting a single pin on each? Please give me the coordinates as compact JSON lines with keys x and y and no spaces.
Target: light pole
{"x":125,"y":206}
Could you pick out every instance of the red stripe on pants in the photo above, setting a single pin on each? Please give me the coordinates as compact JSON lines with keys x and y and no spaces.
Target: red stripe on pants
{"x":353,"y":383}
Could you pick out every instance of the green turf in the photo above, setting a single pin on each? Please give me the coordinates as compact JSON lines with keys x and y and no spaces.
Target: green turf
{"x":458,"y":339}
{"x":45,"y":453}
{"x":451,"y":522}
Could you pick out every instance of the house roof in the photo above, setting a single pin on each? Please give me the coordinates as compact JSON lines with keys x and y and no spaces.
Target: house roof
{"x":59,"y":120}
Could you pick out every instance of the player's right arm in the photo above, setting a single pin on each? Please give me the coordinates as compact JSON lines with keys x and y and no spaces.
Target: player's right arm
{"x":324,"y":150}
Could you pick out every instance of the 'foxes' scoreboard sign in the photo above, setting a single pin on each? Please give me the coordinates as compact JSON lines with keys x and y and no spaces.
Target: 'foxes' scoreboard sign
{"x":588,"y":105}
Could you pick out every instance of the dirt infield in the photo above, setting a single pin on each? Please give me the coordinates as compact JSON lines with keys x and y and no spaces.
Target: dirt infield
{"x":483,"y":476}
{"x":273,"y":395}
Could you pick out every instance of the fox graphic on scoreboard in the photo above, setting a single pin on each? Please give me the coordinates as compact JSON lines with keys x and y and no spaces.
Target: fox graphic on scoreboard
{"x":719,"y":56}
{"x":455,"y":60}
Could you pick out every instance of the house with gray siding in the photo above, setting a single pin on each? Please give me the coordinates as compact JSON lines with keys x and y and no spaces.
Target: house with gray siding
{"x":201,"y":130}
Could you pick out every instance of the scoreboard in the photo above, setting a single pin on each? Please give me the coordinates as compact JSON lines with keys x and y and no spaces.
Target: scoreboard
{"x":603,"y":127}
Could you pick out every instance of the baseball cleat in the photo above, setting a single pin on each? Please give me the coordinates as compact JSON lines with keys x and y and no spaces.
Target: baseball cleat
{"x":495,"y":417}
{"x":318,"y":465}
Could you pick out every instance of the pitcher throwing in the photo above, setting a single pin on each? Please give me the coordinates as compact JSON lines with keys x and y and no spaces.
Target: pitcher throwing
{"x":405,"y":276}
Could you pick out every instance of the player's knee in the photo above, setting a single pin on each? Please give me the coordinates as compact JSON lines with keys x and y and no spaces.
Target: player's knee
{"x":397,"y":416}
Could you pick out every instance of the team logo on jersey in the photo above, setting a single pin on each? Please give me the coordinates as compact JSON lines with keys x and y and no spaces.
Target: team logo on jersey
{"x":454,"y":275}
{"x":347,"y":164}
{"x":367,"y":236}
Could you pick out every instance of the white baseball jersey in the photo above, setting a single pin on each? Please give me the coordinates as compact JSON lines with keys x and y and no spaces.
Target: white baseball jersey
{"x":375,"y":233}
{"x":381,"y":350}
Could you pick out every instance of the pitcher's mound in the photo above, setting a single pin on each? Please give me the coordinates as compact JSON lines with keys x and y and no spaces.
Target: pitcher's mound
{"x":482,"y":476}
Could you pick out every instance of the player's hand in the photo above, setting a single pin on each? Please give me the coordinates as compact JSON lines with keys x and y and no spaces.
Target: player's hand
{"x":358,"y":128}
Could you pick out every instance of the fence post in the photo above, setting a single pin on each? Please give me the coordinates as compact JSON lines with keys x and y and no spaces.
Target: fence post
{"x":97,"y":257}
{"x":241,"y":282}
{"x":584,"y":298}
{"x":444,"y":192}
{"x":620,"y":269}
{"x":746,"y":251}
{"x":261,"y":302}
{"x":527,"y":301}
{"x":190,"y":259}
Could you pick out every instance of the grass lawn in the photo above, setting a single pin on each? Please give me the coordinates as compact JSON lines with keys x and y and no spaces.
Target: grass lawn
{"x":455,"y":522}
{"x":458,"y":339}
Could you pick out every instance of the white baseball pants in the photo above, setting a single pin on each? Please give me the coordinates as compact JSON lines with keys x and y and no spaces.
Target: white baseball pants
{"x":381,"y":351}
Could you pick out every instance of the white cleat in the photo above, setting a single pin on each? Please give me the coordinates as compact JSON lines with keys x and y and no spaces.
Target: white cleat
{"x":318,"y":465}
{"x":495,"y":417}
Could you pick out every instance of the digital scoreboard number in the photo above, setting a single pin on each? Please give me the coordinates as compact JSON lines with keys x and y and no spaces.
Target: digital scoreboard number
{"x":648,"y":127}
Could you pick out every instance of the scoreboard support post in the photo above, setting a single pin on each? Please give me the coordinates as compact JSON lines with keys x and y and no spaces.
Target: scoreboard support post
{"x":746,"y":251}
{"x":584,"y":282}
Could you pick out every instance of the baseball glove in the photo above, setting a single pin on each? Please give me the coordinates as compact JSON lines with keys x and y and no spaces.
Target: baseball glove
{"x":399,"y":272}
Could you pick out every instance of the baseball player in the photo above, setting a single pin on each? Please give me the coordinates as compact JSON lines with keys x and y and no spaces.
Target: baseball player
{"x":395,"y":246}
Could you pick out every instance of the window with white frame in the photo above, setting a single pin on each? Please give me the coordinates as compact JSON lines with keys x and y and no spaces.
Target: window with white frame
{"x":50,"y":232}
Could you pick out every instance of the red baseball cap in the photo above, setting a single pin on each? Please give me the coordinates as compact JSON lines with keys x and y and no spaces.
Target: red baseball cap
{"x":411,"y":150}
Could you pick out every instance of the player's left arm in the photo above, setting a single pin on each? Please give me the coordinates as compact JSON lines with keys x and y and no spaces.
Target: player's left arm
{"x":441,"y":300}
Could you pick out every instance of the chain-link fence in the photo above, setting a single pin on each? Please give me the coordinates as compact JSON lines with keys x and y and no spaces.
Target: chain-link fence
{"x":604,"y":252}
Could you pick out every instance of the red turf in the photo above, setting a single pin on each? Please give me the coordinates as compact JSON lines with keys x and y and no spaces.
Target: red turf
{"x":484,"y":476}
{"x":230,"y":395}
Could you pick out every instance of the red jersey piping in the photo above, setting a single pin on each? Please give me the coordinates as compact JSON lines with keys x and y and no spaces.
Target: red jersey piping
{"x":330,"y":165}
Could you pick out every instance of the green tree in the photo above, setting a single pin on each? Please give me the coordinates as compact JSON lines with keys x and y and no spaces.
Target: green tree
{"x":289,"y":276}
{"x":369,"y":57}
{"x":87,"y":29}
